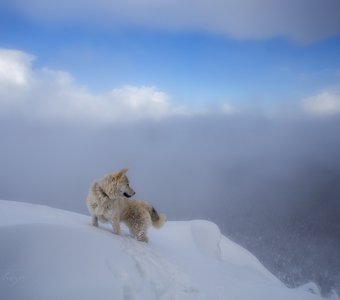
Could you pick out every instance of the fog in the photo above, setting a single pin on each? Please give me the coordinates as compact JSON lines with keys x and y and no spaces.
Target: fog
{"x":272,"y":185}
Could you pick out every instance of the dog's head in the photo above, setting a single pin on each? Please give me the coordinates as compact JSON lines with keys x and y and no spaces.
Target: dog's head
{"x":120,"y":184}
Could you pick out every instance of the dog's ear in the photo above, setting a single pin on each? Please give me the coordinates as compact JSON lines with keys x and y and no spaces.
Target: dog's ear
{"x":121,"y":173}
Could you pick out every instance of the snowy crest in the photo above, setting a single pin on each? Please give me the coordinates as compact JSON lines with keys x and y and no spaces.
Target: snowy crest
{"x":48,"y":253}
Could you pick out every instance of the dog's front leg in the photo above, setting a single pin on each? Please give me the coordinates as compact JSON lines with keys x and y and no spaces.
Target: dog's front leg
{"x":115,"y":224}
{"x":95,"y":221}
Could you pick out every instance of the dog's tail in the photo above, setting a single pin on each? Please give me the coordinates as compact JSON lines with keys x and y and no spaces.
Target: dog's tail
{"x":157,"y":219}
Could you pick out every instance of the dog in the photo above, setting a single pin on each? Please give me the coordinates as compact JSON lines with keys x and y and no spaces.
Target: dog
{"x":109,"y":201}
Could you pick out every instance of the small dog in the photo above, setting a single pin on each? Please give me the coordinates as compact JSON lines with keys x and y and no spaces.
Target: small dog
{"x":108,"y":201}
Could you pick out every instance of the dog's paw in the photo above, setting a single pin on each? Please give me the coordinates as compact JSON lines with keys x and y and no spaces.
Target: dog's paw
{"x":141,"y":236}
{"x":116,"y":229}
{"x":95,"y":221}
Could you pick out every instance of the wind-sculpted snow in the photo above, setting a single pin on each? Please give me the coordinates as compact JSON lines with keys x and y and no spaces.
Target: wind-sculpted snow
{"x":48,"y":253}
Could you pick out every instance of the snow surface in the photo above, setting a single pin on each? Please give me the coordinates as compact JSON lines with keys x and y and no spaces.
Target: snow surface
{"x":48,"y":253}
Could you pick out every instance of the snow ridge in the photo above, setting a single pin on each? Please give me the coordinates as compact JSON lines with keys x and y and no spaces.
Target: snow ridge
{"x":48,"y":253}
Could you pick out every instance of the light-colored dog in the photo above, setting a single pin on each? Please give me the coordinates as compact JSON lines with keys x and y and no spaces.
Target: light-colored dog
{"x":108,"y":201}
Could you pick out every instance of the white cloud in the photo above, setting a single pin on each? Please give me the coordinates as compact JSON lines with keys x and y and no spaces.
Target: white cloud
{"x":49,"y":94}
{"x":324,"y":103}
{"x":13,"y":67}
{"x":303,"y":20}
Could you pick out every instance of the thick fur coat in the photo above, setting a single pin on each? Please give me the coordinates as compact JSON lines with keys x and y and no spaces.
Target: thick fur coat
{"x":109,"y":201}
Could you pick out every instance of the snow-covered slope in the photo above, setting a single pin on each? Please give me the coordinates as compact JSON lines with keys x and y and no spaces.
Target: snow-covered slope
{"x":47,"y":253}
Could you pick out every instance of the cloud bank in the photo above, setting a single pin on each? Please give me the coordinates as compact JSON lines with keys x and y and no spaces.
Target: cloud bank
{"x":303,"y":21}
{"x":47,"y":94}
{"x":55,"y":96}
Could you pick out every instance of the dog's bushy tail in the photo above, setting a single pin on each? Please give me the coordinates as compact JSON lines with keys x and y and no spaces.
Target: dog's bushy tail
{"x":157,"y":219}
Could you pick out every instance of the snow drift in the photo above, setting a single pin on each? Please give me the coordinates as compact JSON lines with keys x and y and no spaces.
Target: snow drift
{"x":48,"y":253}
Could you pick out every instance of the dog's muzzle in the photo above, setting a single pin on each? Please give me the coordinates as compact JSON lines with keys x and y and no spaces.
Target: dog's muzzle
{"x":128,"y":196}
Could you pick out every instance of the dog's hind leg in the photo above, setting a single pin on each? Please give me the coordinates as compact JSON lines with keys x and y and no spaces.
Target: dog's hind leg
{"x":95,"y":220}
{"x":139,"y":231}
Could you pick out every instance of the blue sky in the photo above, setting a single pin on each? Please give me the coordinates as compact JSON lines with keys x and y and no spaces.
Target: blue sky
{"x":195,"y":62}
